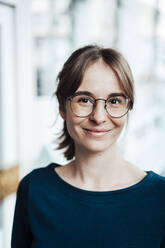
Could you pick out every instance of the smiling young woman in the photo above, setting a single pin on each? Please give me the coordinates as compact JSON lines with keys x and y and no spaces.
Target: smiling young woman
{"x":97,"y":162}
{"x":98,"y":199}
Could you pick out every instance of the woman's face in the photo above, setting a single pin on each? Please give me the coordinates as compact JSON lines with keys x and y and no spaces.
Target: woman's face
{"x":101,"y":81}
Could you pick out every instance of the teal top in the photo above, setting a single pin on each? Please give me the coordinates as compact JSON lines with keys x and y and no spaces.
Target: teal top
{"x":51,"y":213}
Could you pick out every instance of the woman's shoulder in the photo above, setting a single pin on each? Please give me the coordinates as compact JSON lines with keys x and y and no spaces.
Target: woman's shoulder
{"x":36,"y":173}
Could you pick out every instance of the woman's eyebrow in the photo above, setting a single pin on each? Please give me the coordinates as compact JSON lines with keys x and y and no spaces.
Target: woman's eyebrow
{"x":91,"y":94}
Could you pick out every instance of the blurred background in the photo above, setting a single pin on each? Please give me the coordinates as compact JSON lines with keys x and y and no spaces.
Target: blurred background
{"x":36,"y":37}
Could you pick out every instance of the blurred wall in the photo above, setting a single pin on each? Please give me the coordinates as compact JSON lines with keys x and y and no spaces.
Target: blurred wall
{"x":16,"y":100}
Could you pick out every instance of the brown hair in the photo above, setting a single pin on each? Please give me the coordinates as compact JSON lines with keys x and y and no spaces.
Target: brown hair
{"x":71,"y":75}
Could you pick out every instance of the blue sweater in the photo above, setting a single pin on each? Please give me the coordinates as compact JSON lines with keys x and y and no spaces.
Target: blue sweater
{"x":51,"y":213}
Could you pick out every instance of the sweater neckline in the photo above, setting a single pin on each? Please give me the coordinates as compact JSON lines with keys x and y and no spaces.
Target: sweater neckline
{"x":79,"y":191}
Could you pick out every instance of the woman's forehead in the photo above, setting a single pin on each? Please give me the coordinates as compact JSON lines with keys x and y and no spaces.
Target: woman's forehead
{"x":99,"y":87}
{"x":98,"y":76}
{"x":98,"y":67}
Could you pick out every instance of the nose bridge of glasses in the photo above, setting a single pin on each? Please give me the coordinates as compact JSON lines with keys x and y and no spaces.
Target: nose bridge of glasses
{"x":101,"y":100}
{"x":99,"y":107}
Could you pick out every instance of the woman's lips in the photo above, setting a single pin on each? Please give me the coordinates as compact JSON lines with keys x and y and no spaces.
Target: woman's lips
{"x":96,"y":133}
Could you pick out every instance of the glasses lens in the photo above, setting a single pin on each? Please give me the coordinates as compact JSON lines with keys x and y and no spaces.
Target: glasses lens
{"x":117,"y":106}
{"x":82,"y":105}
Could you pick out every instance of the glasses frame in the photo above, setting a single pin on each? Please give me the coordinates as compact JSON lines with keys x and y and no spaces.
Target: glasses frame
{"x":70,"y":98}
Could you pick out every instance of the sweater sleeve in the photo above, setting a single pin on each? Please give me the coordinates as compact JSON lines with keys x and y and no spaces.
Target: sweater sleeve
{"x":21,"y":232}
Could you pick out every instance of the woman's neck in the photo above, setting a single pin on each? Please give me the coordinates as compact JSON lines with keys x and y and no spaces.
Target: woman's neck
{"x":98,"y":168}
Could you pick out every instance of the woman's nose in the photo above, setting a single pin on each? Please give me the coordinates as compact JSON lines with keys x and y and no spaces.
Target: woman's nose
{"x":99,"y":113}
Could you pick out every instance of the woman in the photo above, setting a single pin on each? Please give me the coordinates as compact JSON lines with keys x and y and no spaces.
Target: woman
{"x":98,"y":199}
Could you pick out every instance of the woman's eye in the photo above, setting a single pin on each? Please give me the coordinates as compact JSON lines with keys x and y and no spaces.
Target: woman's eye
{"x":84,"y":100}
{"x":114,"y":101}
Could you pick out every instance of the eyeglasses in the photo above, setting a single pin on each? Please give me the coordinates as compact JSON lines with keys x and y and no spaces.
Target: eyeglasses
{"x":83,"y":105}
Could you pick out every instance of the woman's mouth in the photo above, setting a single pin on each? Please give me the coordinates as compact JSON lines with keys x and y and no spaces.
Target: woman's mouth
{"x":96,"y":133}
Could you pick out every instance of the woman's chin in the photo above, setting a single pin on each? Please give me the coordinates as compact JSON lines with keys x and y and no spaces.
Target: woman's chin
{"x":94,"y":147}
